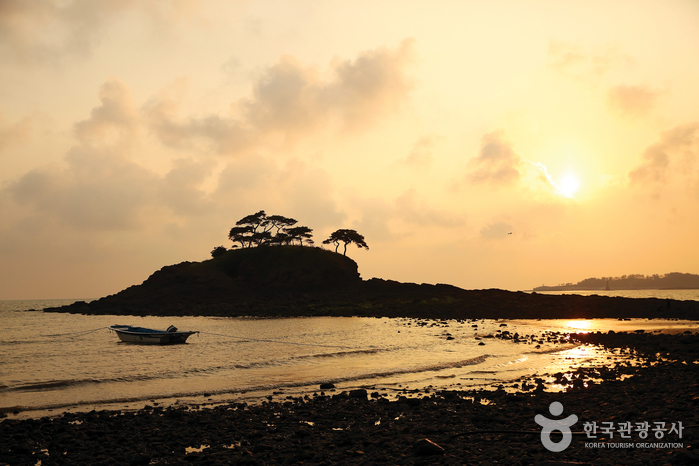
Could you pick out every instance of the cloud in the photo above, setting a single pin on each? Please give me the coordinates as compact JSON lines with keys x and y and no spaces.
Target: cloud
{"x":374,"y":220}
{"x":410,"y":210}
{"x":497,"y":163}
{"x":291,"y":101}
{"x":632,"y":100}
{"x":537,"y":177}
{"x":254,"y":173}
{"x":116,"y":117}
{"x":253,"y":183}
{"x":421,"y":154}
{"x":17,"y":132}
{"x":98,"y":190}
{"x":584,"y":63}
{"x":221,"y":135}
{"x":286,"y":98}
{"x":310,"y":195}
{"x":101,"y":190}
{"x":372,"y":85}
{"x":675,"y":152}
{"x":45,"y":31}
{"x":181,"y":188}
{"x":405,"y":216}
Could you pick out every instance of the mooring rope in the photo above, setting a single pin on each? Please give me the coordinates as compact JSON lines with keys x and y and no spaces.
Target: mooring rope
{"x":79,"y":333}
{"x":278,"y":341}
{"x":83,"y":333}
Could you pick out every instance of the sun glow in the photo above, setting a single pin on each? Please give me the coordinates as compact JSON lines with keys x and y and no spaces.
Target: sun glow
{"x":581,"y":325}
{"x":568,"y":186}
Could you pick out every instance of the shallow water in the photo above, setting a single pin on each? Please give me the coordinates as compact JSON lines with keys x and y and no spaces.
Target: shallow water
{"x":55,"y":361}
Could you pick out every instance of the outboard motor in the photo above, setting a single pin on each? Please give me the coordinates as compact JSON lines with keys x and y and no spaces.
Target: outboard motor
{"x":171,"y":329}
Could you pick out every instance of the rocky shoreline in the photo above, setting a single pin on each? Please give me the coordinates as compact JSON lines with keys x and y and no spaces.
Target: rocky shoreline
{"x":376,"y":298}
{"x":417,"y":427}
{"x":293,"y":281}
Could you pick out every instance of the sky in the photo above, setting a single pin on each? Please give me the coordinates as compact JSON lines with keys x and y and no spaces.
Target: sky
{"x":481,"y":143}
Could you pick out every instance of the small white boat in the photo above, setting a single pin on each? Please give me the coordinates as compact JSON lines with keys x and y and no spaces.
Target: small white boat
{"x":131,"y":334}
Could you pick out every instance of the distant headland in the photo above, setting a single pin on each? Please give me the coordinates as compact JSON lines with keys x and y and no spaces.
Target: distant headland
{"x":670,"y":281}
{"x":274,"y":270}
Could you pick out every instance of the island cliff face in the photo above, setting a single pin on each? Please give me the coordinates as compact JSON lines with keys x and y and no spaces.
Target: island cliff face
{"x":285,"y":281}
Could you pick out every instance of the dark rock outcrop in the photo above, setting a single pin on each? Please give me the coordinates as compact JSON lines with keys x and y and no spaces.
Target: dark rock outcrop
{"x":303,"y":281}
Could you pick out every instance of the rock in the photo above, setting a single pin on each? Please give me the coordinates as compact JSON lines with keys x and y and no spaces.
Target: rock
{"x":340,"y":396}
{"x":139,"y":459}
{"x":358,"y":393}
{"x":327,"y":386}
{"x":427,"y":447}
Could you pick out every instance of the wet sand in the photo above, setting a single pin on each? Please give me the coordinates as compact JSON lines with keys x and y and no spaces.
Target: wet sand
{"x":417,"y":427}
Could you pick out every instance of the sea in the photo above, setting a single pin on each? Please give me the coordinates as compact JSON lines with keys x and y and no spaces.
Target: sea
{"x":52,"y":363}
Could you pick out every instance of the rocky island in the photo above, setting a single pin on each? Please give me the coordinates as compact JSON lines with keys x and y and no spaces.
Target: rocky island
{"x":291,"y":280}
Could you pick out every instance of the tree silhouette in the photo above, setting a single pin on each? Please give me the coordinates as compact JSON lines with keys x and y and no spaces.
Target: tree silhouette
{"x":347,"y":237}
{"x":280,"y":239}
{"x":279,"y":222}
{"x":243,"y":235}
{"x":258,"y":229}
{"x":218,"y":251}
{"x":299,"y":233}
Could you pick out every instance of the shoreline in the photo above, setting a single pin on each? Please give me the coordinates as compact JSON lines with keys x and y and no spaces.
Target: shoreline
{"x":535,"y":338}
{"x":549,"y":338}
{"x":359,"y":426}
{"x":552,"y":338}
{"x":383,"y":298}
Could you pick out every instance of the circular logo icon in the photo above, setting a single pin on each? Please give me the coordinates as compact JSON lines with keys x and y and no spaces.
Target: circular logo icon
{"x":552,"y":425}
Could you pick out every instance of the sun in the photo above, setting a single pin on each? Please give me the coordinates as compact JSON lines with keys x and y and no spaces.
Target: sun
{"x":568,"y":186}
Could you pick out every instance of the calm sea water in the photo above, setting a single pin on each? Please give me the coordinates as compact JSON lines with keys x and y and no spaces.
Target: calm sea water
{"x":53,"y":362}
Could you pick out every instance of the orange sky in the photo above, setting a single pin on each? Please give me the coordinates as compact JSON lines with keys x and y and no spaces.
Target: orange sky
{"x":134,"y":134}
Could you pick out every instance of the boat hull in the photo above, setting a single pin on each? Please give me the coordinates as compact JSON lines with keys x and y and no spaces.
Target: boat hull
{"x":146,"y":336}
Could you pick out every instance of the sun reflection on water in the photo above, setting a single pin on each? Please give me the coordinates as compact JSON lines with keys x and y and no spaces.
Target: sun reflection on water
{"x":582,"y":326}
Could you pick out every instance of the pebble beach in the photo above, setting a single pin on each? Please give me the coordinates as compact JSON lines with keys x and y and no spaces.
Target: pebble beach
{"x":364,"y":426}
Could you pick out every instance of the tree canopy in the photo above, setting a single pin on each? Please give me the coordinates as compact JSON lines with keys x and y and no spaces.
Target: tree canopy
{"x":218,"y":251}
{"x":260,"y":229}
{"x":347,"y":237}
